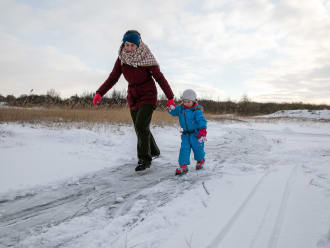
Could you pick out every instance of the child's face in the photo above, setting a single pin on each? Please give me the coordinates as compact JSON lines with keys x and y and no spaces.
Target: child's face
{"x":187,"y":103}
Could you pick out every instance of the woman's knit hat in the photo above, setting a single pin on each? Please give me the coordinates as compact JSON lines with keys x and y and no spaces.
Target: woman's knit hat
{"x":133,"y":37}
{"x":189,"y":94}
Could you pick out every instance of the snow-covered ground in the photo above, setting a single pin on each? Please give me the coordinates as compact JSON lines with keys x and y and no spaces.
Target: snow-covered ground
{"x":304,"y":113}
{"x":265,"y":184}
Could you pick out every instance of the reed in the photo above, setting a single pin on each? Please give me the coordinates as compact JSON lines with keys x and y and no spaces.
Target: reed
{"x":96,"y":115}
{"x":99,"y":115}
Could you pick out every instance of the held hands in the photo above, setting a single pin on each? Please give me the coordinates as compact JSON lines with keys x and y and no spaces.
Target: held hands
{"x":202,"y":135}
{"x":171,"y":107}
{"x":97,"y":99}
{"x":170,"y":104}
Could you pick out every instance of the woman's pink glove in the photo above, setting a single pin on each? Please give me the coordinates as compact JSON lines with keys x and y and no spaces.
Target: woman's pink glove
{"x":170,"y":104}
{"x":97,"y":99}
{"x":202,"y":135}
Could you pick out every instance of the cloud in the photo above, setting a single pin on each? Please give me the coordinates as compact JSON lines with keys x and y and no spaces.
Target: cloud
{"x":297,"y":66}
{"x":23,"y":68}
{"x":262,"y":48}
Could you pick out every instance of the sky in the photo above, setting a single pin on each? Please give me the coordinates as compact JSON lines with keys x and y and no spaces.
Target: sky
{"x":267,"y":50}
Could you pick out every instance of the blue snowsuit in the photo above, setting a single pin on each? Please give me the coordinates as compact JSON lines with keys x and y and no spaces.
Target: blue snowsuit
{"x":191,"y":121}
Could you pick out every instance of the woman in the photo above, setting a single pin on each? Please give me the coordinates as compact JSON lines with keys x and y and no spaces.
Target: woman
{"x":139,"y":67}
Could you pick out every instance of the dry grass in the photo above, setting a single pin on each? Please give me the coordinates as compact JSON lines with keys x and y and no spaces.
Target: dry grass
{"x":115,"y":115}
{"x":63,"y":115}
{"x":90,"y":116}
{"x":99,"y":115}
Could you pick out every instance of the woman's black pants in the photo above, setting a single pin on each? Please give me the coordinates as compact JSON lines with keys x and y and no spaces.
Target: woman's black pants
{"x":146,"y":144}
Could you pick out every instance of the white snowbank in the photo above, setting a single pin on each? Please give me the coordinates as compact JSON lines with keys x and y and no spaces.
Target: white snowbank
{"x":308,"y":114}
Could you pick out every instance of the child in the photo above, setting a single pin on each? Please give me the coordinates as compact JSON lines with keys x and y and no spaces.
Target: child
{"x":194,"y":132}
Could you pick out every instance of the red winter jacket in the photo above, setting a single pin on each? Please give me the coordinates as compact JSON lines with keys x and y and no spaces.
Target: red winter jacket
{"x":141,"y":86}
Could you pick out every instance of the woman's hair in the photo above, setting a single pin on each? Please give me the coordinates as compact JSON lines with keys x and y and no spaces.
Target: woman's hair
{"x":132,"y":32}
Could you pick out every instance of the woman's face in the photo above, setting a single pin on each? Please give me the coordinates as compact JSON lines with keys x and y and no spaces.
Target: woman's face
{"x":187,"y":103}
{"x":129,"y":47}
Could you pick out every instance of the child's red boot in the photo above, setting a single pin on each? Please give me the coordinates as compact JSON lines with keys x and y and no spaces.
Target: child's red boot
{"x":200,"y":164}
{"x":183,"y":169}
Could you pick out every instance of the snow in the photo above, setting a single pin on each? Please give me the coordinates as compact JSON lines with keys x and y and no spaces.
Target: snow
{"x":265,"y":184}
{"x":304,"y":113}
{"x":6,"y":106}
{"x":38,"y":155}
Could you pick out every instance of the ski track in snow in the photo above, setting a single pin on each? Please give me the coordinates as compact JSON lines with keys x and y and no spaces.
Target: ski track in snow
{"x":120,"y":200}
{"x":281,"y":213}
{"x":260,"y":227}
{"x":215,"y":243}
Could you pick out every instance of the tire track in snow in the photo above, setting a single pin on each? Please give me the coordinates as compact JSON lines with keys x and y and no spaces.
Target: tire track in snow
{"x":273,"y":241}
{"x":217,"y":240}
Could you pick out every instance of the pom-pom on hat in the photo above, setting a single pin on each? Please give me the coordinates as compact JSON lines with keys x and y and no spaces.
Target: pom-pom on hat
{"x":132,"y":37}
{"x":189,"y":94}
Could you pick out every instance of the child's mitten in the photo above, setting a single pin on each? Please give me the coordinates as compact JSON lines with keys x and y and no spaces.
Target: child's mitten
{"x":202,"y":135}
{"x":170,"y":104}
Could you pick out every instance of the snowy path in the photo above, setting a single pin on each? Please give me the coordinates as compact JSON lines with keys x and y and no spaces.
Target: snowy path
{"x":265,"y":185}
{"x":115,"y":189}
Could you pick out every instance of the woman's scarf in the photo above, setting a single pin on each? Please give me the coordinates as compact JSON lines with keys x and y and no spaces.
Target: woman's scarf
{"x":142,"y":56}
